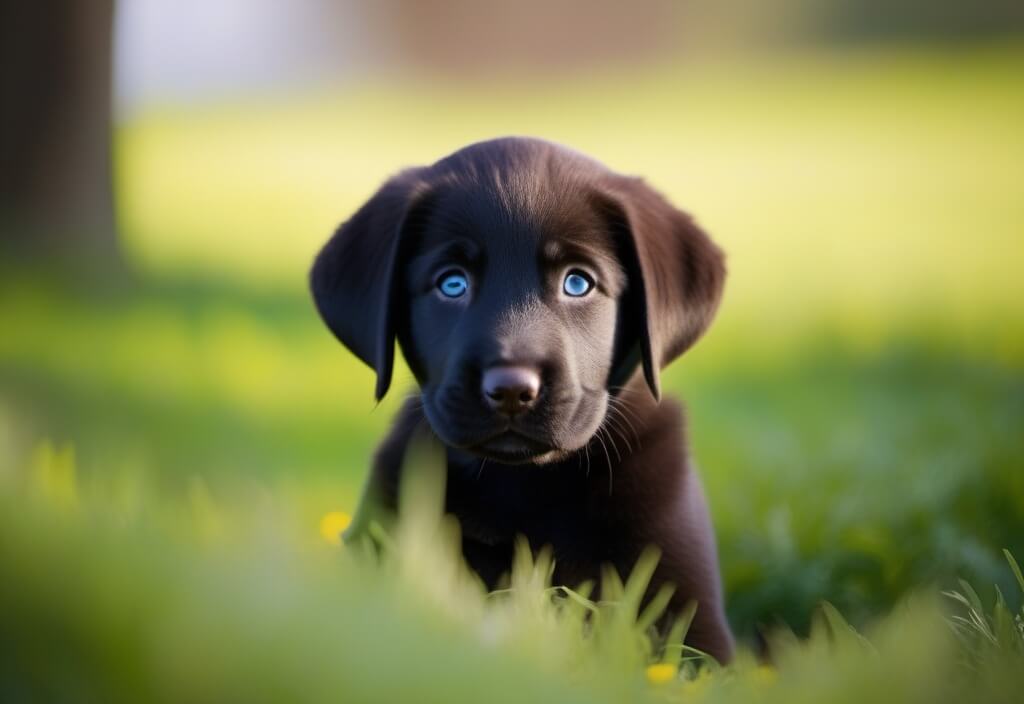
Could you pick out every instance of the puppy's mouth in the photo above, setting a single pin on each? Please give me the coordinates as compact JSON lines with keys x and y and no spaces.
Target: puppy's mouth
{"x":512,"y":447}
{"x":543,"y":436}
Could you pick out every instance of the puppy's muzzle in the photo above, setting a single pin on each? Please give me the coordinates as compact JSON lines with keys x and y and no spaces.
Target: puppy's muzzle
{"x":511,"y":390}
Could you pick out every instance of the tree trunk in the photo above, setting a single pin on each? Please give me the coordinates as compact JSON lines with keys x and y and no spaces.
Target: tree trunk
{"x":56,"y":194}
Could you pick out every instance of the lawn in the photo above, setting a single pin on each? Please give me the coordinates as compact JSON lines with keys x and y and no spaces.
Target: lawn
{"x":170,"y":445}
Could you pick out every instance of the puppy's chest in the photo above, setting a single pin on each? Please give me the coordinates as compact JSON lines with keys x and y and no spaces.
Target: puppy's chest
{"x":551,"y":510}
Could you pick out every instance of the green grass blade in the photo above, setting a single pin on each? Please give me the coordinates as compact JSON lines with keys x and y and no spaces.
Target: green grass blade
{"x":1016,"y":569}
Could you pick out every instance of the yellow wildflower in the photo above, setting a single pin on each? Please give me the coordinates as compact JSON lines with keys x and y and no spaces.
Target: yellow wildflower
{"x":661,"y":673}
{"x":333,"y":524}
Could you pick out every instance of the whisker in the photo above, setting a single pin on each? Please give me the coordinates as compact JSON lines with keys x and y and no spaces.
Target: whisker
{"x":629,"y":434}
{"x":622,"y":416}
{"x":622,"y":402}
{"x":606,"y":454}
{"x":629,"y":413}
{"x":614,"y":423}
{"x":608,"y":434}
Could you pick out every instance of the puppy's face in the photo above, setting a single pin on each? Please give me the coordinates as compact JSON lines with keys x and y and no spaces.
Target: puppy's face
{"x":512,"y":318}
{"x":524,"y":284}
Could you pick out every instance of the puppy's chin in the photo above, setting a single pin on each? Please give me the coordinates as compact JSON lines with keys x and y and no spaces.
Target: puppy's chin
{"x":507,"y":447}
{"x":511,"y":448}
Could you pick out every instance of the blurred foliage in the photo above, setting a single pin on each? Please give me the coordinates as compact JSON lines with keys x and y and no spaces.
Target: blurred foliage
{"x":986,"y":635}
{"x":855,"y":411}
{"x":122,"y":596}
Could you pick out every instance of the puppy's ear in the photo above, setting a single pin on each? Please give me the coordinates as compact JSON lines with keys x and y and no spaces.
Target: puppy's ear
{"x":681,"y":272}
{"x":354,"y":278}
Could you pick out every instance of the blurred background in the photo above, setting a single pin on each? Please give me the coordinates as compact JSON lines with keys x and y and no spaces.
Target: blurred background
{"x":168,"y":170}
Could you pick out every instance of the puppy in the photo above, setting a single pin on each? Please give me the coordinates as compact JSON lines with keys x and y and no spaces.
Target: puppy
{"x":535,"y":296}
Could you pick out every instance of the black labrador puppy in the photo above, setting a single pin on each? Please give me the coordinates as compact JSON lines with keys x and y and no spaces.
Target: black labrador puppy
{"x":535,"y":294}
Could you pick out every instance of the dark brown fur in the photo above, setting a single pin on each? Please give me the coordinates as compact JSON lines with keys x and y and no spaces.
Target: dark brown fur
{"x":597,"y":466}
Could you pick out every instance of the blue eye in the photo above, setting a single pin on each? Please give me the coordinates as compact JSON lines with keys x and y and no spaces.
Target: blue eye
{"x":453,"y":284}
{"x":577,"y":284}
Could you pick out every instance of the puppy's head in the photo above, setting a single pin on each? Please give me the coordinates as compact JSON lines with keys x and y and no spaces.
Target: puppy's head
{"x":525,"y":283}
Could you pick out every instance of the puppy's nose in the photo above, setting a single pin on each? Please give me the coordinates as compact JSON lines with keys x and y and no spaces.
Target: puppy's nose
{"x":511,"y":390}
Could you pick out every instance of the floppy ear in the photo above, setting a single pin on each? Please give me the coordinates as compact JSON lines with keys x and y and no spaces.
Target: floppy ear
{"x":681,"y":272}
{"x":353,"y":279}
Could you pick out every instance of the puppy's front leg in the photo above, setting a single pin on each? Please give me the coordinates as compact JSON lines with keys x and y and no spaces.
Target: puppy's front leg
{"x":379,"y":501}
{"x":690,"y":561}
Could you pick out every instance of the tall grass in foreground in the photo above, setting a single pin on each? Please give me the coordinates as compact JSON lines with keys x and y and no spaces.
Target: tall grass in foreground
{"x":986,"y":636}
{"x":108,"y":594}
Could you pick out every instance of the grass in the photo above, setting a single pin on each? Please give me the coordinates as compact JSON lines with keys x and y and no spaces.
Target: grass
{"x":170,"y":447}
{"x":983,"y":634}
{"x":120,"y":595}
